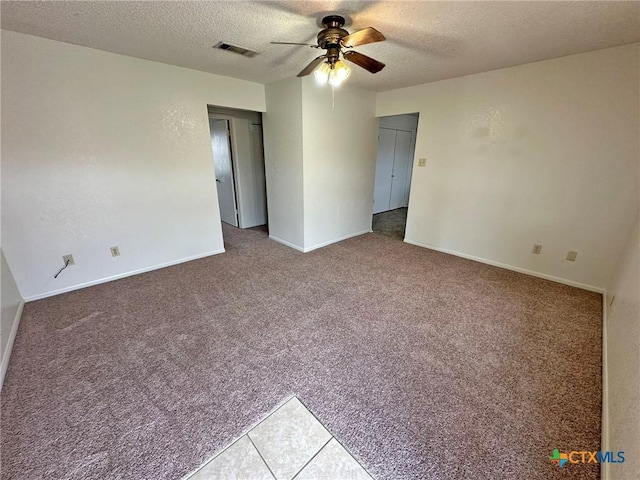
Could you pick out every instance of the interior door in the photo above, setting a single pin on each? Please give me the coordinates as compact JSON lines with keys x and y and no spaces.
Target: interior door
{"x":402,"y":163}
{"x":384,"y":169}
{"x":223,"y":166}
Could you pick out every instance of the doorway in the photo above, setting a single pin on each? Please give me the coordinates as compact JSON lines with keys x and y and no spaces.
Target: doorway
{"x":394,"y":164}
{"x":238,"y":159}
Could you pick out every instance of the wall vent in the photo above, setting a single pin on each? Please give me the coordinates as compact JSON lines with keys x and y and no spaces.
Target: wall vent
{"x":245,"y":52}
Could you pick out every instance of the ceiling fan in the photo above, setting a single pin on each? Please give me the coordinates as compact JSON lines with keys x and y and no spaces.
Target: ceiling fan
{"x":328,"y":67}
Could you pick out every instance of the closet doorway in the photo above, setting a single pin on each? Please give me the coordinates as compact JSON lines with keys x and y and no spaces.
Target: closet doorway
{"x":394,"y":164}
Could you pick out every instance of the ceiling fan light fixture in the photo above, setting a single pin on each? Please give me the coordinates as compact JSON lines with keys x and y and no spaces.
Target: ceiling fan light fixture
{"x":339,"y":73}
{"x":322,"y":73}
{"x":334,"y":74}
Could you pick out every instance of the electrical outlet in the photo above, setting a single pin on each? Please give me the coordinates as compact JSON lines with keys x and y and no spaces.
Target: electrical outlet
{"x":115,"y":251}
{"x":537,"y":249}
{"x":422,"y":162}
{"x":68,"y":259}
{"x":571,"y":256}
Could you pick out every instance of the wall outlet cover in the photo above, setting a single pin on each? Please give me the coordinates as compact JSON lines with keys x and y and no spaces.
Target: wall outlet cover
{"x":422,"y":162}
{"x":115,"y":251}
{"x":68,"y":259}
{"x":536,"y":249}
{"x":571,"y":256}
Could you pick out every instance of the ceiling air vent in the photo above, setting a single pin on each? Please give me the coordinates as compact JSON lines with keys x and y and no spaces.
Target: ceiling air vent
{"x":245,"y":52}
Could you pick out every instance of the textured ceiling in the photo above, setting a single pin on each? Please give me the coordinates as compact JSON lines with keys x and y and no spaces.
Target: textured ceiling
{"x":427,"y":41}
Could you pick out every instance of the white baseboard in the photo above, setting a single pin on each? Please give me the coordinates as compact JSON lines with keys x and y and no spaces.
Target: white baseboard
{"x":590,"y":288}
{"x":121,"y":275}
{"x":12,"y":336}
{"x":288,"y":244}
{"x":604,"y":429}
{"x":319,"y":245}
{"x":336,"y":240}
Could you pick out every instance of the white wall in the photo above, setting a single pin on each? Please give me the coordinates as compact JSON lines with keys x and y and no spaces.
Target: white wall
{"x":320,"y":162}
{"x":540,"y":153}
{"x":339,"y":162}
{"x":282,"y":124}
{"x":623,"y":361}
{"x":10,"y":314}
{"x":101,"y":149}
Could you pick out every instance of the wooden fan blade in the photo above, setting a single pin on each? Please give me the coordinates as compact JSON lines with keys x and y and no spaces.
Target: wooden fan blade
{"x":312,"y":66}
{"x":368,"y":63}
{"x":295,"y":43}
{"x":362,"y":37}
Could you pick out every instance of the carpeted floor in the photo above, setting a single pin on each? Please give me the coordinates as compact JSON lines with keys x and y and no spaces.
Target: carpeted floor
{"x":391,"y":223}
{"x":424,"y":365}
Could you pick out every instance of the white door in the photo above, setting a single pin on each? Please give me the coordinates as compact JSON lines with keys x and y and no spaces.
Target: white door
{"x":223,"y":166}
{"x":384,"y":169}
{"x":401,"y":176}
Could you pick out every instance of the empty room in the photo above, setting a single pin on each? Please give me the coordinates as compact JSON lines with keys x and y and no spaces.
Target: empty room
{"x":320,"y":240}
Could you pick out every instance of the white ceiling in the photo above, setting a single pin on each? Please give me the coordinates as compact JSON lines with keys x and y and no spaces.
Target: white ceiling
{"x":426,"y":40}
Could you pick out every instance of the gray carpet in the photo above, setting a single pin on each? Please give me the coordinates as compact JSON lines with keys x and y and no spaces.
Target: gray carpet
{"x":424,"y":365}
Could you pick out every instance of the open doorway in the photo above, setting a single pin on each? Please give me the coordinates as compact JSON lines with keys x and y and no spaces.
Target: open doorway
{"x":238,"y":158}
{"x":394,"y":164}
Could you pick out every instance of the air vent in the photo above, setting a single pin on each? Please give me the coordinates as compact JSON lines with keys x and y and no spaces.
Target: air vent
{"x":245,"y":52}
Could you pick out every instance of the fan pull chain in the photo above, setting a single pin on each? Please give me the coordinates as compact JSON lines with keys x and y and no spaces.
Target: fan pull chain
{"x":333,"y":96}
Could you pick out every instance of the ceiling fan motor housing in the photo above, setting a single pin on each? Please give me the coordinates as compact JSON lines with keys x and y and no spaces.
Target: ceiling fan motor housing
{"x":329,"y":38}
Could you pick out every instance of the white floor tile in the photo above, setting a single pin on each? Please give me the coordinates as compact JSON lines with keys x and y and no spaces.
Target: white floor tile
{"x":289,"y":438}
{"x":240,"y":461}
{"x":333,"y":462}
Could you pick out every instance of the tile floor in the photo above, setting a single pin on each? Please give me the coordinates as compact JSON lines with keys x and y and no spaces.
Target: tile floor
{"x":289,"y":444}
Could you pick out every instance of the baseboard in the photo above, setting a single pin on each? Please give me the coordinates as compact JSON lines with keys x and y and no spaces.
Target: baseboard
{"x":288,"y":244}
{"x":324,"y":244}
{"x":319,"y":245}
{"x":12,"y":336}
{"x":583,"y":286}
{"x":604,"y":428}
{"x":121,"y":275}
